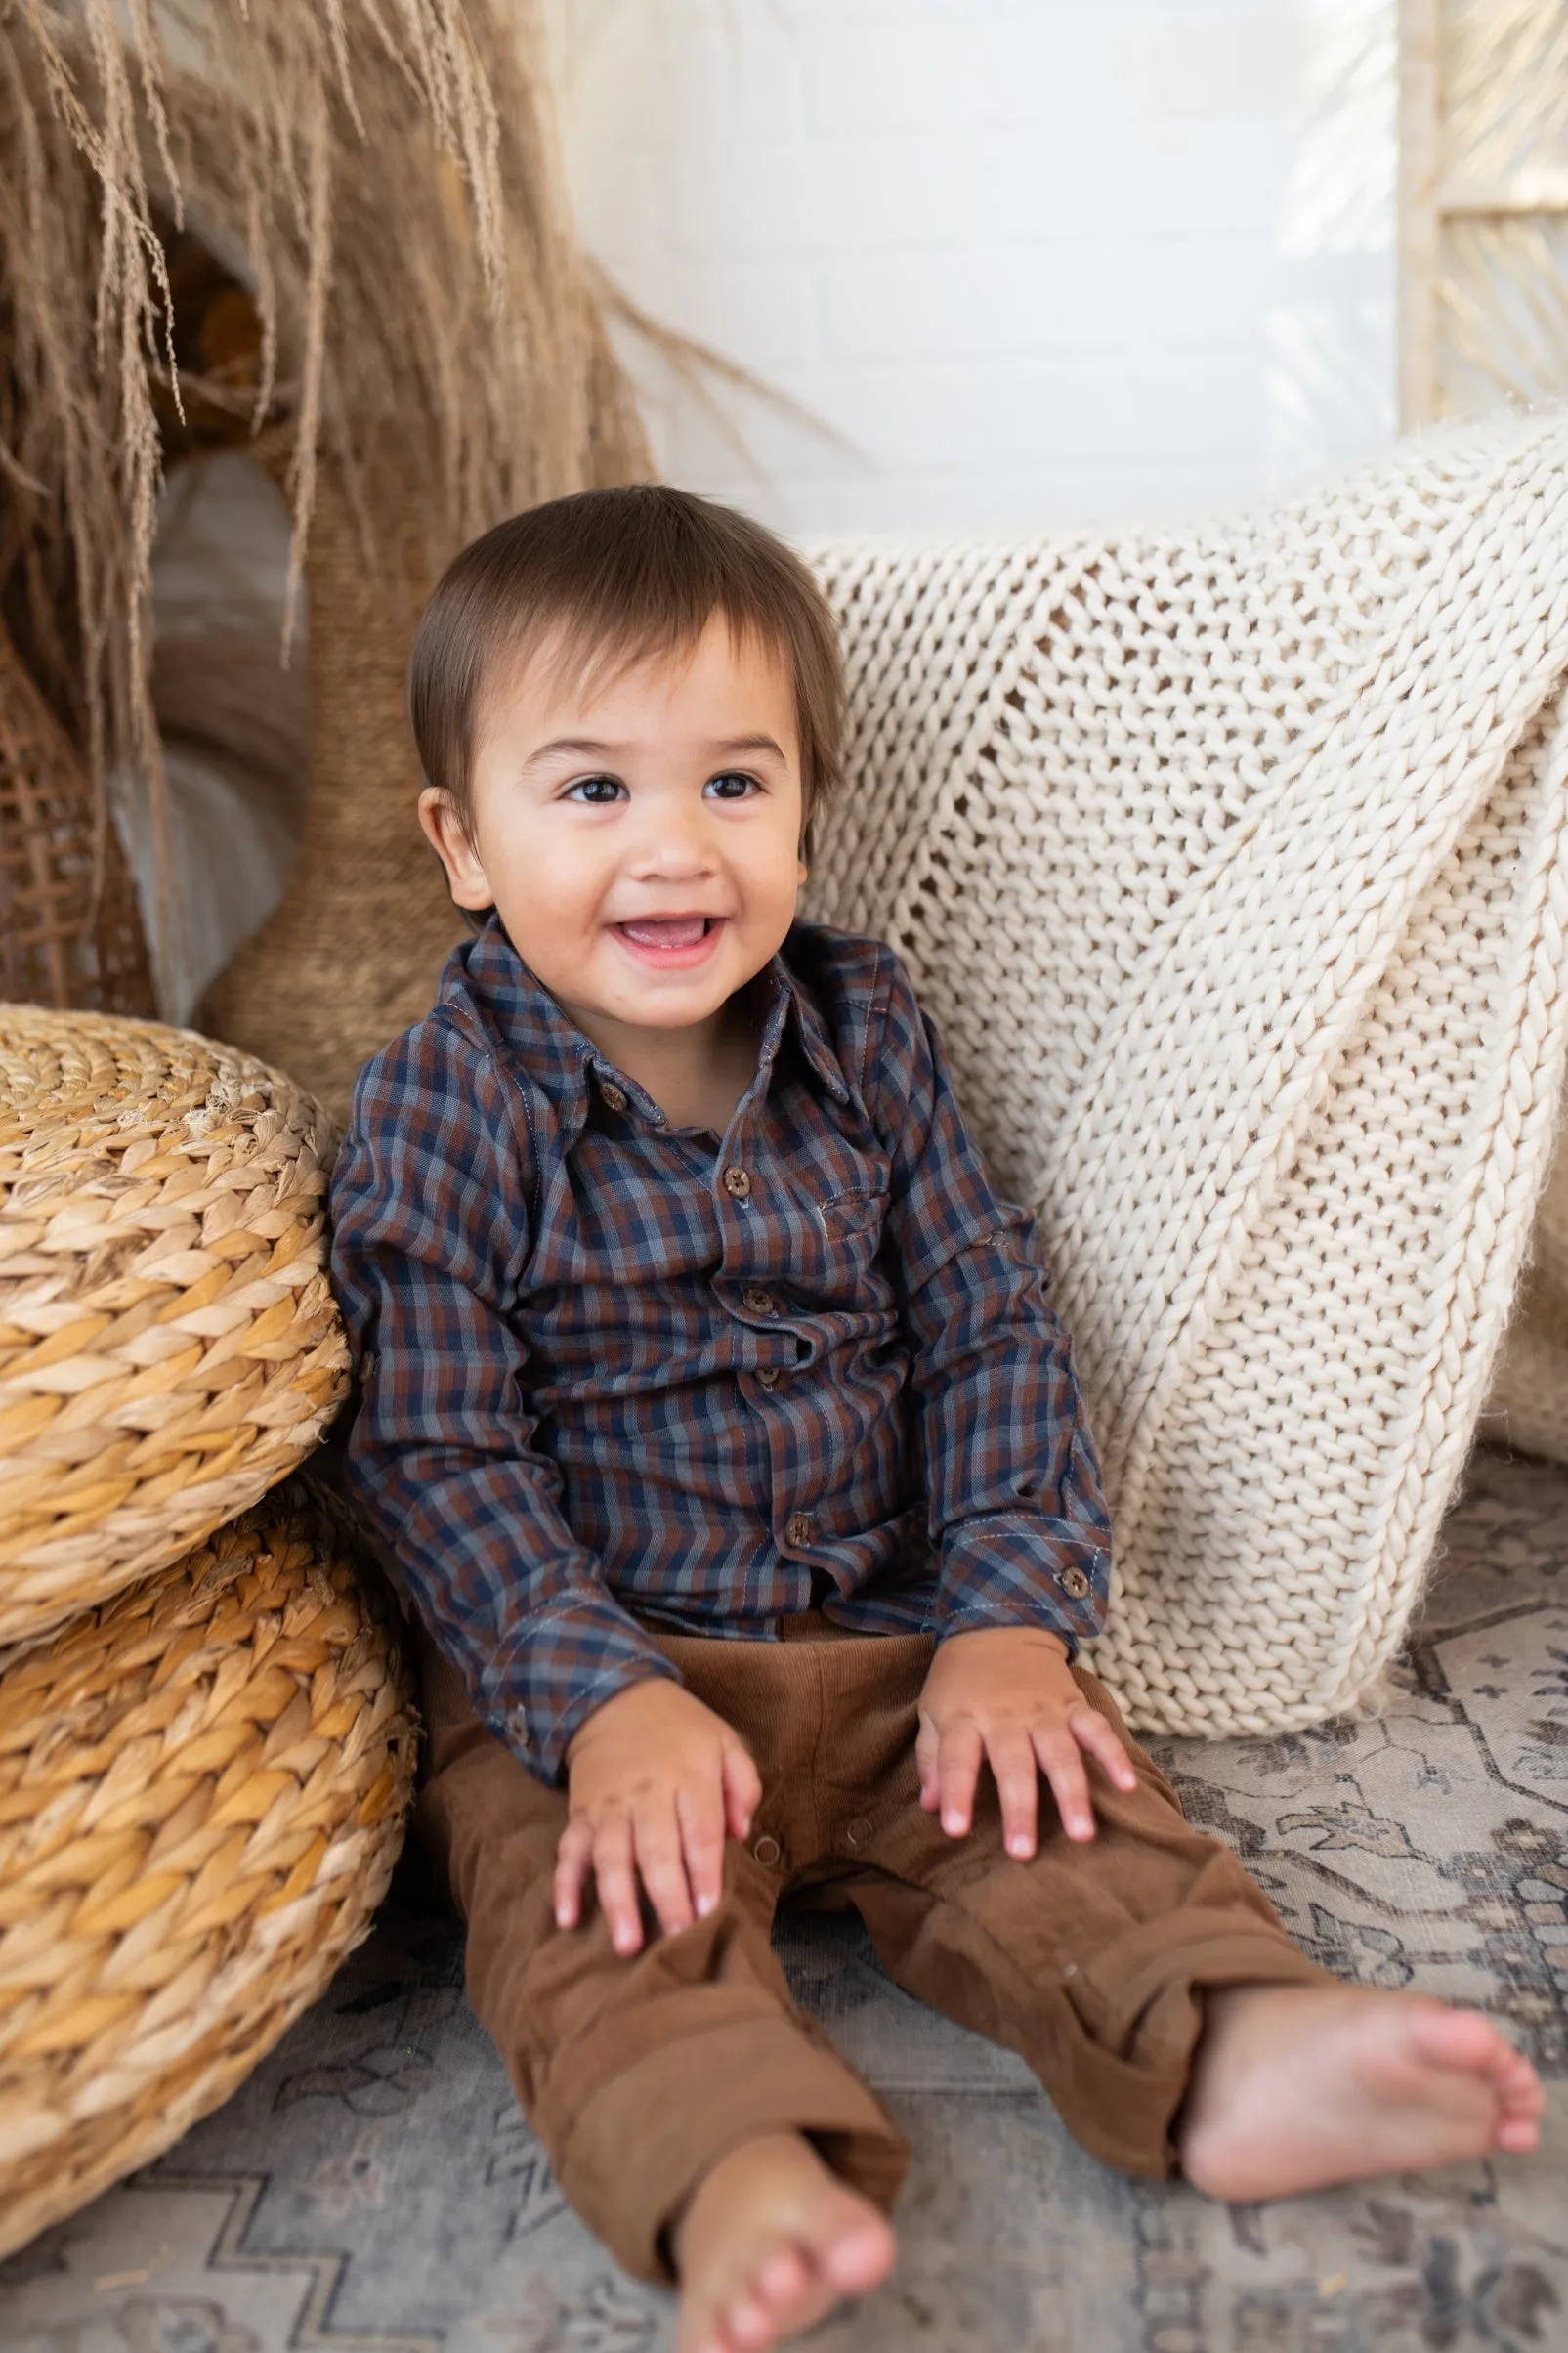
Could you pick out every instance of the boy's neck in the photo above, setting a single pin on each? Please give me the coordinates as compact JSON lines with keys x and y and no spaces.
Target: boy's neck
{"x":696,"y":1075}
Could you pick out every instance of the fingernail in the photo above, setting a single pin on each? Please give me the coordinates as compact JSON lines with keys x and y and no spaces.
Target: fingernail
{"x":704,"y":1904}
{"x":1019,"y":1847}
{"x":953,"y":1823}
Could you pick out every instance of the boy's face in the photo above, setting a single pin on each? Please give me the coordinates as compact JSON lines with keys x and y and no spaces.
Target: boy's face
{"x":641,"y":846}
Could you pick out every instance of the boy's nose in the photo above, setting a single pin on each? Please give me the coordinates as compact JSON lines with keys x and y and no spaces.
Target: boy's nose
{"x":673,"y":850}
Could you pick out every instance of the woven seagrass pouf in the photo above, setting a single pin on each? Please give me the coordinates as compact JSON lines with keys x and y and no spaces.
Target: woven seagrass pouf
{"x":169,"y":1348}
{"x":203,"y":1791}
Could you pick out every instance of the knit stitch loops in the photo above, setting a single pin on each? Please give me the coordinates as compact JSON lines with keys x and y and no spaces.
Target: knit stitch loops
{"x":1232,"y":862}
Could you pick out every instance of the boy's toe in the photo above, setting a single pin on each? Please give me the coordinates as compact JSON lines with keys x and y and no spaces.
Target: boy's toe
{"x":1462,"y":2041}
{"x":747,"y":2322}
{"x":858,"y":2260}
{"x":783,"y":2279}
{"x":1521,"y":2088}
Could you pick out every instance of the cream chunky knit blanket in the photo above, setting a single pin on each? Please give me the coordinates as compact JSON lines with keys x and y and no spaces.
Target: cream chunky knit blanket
{"x":1233,"y":860}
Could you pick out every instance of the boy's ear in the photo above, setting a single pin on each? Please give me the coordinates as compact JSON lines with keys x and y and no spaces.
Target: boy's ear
{"x":448,"y":836}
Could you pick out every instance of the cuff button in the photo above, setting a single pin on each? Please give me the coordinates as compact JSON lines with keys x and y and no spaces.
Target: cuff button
{"x":1074,"y":1583}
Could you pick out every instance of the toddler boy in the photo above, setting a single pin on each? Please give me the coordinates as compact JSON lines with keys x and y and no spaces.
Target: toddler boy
{"x":713,"y":1406}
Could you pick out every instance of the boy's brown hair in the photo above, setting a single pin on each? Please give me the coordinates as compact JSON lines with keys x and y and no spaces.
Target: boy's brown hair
{"x":604,"y":579}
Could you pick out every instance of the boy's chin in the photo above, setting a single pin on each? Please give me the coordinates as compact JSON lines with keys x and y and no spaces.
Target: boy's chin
{"x":649,"y":1001}
{"x":670,"y":1008}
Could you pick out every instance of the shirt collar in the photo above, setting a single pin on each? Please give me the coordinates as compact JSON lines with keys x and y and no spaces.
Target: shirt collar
{"x":557,"y":1057}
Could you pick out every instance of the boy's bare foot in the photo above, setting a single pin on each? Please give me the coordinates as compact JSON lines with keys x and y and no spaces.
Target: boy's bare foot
{"x":1297,"y":2087}
{"x":769,"y":2242}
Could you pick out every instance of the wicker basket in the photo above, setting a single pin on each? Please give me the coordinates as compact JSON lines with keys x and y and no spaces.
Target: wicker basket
{"x":169,"y":1348}
{"x":202,"y":1792}
{"x":70,"y":930}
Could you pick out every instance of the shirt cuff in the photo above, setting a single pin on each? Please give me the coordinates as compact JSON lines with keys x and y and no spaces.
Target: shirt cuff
{"x":1021,"y":1568}
{"x":555,"y":1670}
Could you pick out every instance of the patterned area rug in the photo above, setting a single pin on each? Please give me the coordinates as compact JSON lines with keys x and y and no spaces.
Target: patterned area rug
{"x":372,"y":2187}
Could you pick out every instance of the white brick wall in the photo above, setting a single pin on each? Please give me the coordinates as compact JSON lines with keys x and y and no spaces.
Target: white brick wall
{"x":1036,"y":260}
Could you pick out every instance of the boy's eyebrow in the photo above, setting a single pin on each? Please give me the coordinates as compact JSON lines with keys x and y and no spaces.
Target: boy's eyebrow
{"x":750,"y":743}
{"x":592,"y":747}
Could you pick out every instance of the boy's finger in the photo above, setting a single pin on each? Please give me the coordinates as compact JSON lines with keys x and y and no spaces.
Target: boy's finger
{"x":616,"y":1881}
{"x":572,"y":1859}
{"x":742,"y":1788}
{"x":1093,"y":1734}
{"x":656,"y":1836}
{"x":927,"y":1748}
{"x":958,"y":1771}
{"x":1017,"y":1776}
{"x":1062,"y":1764}
{"x":699,"y":1812}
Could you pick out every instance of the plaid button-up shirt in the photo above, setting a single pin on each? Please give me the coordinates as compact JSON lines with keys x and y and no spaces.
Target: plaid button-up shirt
{"x":614,"y":1371}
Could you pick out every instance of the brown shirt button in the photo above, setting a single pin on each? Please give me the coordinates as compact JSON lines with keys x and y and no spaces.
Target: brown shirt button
{"x":758,"y":1301}
{"x":766,"y":1851}
{"x":768,"y":1377}
{"x":738,"y":1184}
{"x":797,"y":1528}
{"x":1074,"y":1583}
{"x":857,"y":1832}
{"x":614,"y":1097}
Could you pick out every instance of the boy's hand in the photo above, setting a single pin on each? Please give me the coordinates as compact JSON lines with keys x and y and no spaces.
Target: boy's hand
{"x":655,"y":1780}
{"x":1006,"y":1692}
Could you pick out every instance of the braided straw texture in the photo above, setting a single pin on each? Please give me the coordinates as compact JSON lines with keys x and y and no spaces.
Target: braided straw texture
{"x":1231,"y":859}
{"x":202,"y":1793}
{"x":70,"y":930}
{"x":354,"y":952}
{"x":169,"y":1348}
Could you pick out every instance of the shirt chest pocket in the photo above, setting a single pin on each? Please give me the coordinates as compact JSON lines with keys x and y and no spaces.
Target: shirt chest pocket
{"x":851,"y":1224}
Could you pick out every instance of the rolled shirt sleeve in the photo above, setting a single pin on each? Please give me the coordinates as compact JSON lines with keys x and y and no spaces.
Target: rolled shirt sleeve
{"x":1015,"y":1507}
{"x":430,"y":1213}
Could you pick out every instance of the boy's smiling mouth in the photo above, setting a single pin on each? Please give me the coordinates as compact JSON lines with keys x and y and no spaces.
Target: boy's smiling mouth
{"x":671,"y":942}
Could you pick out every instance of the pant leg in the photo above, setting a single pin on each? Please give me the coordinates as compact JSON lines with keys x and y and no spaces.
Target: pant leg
{"x":638,"y":2074}
{"x":1091,"y":1961}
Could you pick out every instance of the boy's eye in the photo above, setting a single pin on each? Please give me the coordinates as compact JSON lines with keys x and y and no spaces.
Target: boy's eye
{"x":732,"y":786}
{"x":596,"y":790}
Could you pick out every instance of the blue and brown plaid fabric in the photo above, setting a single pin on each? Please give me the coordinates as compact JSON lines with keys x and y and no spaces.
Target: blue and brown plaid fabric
{"x":609,"y":1369}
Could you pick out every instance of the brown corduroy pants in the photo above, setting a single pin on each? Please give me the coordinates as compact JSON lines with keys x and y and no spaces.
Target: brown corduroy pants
{"x":639,"y":2075}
